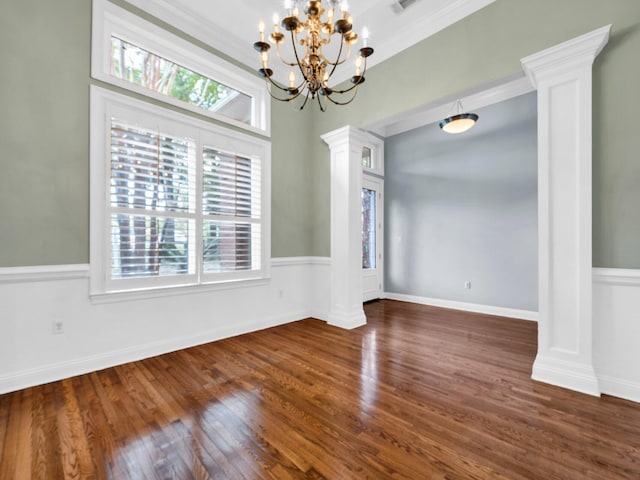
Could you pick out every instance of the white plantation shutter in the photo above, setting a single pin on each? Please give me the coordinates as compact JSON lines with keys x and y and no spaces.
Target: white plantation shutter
{"x":183,"y":202}
{"x":231,"y":208}
{"x":152,"y":199}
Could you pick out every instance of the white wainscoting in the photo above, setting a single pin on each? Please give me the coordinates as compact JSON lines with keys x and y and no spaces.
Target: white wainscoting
{"x":100,"y":335}
{"x":616,"y":336}
{"x":466,"y":307}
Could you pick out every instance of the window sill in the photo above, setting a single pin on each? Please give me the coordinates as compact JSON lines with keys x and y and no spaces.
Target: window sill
{"x":157,"y":292}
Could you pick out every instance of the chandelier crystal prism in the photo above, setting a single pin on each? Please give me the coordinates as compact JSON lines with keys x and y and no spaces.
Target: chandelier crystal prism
{"x":308,"y":37}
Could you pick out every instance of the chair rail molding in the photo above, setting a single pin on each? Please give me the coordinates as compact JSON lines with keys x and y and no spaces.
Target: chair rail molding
{"x":563,"y":78}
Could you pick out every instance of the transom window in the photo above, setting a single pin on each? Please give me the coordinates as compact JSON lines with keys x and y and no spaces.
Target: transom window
{"x":148,"y":70}
{"x":137,"y":55}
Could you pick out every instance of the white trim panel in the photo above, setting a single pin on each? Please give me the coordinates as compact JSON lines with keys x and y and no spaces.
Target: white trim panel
{"x":66,"y":369}
{"x":33,"y":299}
{"x":616,"y":320}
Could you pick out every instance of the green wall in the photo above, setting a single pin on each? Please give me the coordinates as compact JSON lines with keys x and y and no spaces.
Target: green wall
{"x":44,"y":132}
{"x":44,"y":121}
{"x":488,"y":45}
{"x":45,"y":52}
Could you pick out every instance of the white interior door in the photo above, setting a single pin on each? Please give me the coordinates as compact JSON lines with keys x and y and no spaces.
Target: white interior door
{"x":372,"y":237}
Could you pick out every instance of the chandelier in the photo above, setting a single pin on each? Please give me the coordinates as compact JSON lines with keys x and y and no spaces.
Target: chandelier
{"x":308,"y":37}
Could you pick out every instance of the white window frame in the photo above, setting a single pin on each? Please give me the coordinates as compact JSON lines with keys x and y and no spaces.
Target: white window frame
{"x":110,"y":20}
{"x":106,"y":104}
{"x":377,"y":157}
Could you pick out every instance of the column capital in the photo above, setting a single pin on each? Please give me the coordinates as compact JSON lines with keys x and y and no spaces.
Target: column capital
{"x":565,"y":57}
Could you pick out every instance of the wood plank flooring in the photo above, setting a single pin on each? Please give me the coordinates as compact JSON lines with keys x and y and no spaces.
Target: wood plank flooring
{"x":418,"y":393}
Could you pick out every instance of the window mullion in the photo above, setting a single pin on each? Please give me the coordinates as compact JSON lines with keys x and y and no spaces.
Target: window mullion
{"x":152,"y":213}
{"x":231,"y":219}
{"x":199,"y":207}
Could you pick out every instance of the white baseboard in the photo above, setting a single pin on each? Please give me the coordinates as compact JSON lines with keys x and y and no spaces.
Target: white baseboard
{"x":466,"y":307}
{"x":51,"y":373}
{"x":617,"y":387}
{"x":561,"y":373}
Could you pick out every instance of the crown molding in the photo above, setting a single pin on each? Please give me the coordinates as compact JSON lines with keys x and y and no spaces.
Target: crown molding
{"x":422,"y":25}
{"x":191,"y":23}
{"x":481,"y":96}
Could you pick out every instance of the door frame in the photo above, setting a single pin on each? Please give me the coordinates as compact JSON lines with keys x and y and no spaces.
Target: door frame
{"x":377,"y":184}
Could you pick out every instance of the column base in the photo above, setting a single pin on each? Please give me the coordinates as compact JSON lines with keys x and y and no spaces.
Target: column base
{"x":566,"y":374}
{"x":348,"y":320}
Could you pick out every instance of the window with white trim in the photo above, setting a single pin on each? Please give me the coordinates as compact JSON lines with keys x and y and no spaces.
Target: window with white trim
{"x":137,"y":55}
{"x":174,"y":200}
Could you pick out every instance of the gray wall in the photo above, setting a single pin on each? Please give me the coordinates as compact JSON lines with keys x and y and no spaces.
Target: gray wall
{"x":464,"y":208}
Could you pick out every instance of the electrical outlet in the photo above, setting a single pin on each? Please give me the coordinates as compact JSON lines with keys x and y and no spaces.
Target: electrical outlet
{"x":467,"y":284}
{"x":58,"y":327}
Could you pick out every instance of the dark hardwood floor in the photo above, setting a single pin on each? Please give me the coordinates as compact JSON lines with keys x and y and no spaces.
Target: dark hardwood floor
{"x":419,"y":393}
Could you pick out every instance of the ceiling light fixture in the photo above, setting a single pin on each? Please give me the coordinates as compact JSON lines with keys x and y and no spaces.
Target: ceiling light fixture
{"x":460,"y":122}
{"x":315,"y":69}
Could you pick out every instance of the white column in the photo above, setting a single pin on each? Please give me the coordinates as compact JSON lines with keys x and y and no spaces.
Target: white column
{"x":563,"y":78}
{"x":346,"y":226}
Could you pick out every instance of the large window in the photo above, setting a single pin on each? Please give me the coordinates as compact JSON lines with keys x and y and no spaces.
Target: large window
{"x":175,"y":200}
{"x":135,"y":54}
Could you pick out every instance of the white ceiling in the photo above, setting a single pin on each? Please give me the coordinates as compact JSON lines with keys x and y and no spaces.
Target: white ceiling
{"x":232,"y":26}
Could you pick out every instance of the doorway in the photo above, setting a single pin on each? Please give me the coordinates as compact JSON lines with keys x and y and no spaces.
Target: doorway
{"x":372,"y":237}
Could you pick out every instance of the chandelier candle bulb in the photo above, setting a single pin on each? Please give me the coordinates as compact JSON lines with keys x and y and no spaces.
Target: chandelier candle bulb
{"x":292,"y":79}
{"x":276,"y":21}
{"x":365,"y":36}
{"x":358,"y":65}
{"x":261,"y":30}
